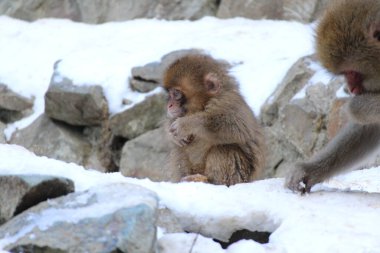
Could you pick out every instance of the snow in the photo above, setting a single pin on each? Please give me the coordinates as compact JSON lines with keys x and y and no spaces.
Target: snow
{"x":104,"y":54}
{"x":340,"y":215}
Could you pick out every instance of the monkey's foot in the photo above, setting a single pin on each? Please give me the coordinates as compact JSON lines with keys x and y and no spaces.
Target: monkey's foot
{"x":195,"y":178}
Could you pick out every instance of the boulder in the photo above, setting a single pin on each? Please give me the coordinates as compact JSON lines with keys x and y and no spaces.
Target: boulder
{"x":35,"y":9}
{"x":253,"y":9}
{"x":12,"y":101}
{"x":303,"y":11}
{"x":337,"y":117}
{"x":46,"y":137}
{"x":111,"y":218}
{"x":98,"y":11}
{"x":140,"y":118}
{"x":296,"y":78}
{"x":77,"y":105}
{"x":20,"y":192}
{"x":147,"y":157}
{"x":168,"y":221}
{"x":297,"y":118}
{"x":297,"y":10}
{"x":146,"y":78}
{"x":12,"y":105}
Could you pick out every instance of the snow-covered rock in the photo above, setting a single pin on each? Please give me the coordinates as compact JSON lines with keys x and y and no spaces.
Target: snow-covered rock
{"x":18,"y":193}
{"x":102,"y":219}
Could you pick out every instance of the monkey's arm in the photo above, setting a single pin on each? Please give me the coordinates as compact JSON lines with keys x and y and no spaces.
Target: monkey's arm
{"x":352,"y":144}
{"x":216,"y":128}
{"x":365,"y":109}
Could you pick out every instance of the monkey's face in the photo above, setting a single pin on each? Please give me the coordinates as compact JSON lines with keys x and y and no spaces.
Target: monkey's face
{"x":348,"y":43}
{"x":176,"y":103}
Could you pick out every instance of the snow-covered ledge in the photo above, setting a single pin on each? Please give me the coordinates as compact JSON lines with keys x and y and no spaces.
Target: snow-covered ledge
{"x":341,"y":215}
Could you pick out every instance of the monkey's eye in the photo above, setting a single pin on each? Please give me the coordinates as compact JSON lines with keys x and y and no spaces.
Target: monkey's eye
{"x":177,"y":95}
{"x":376,"y":35}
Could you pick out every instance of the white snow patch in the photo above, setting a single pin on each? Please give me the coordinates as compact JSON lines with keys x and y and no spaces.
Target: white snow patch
{"x":341,"y":215}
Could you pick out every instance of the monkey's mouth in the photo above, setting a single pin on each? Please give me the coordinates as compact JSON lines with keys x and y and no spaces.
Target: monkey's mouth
{"x":354,"y":82}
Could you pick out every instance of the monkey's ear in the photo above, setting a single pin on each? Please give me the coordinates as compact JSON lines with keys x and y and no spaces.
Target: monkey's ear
{"x":212,"y":83}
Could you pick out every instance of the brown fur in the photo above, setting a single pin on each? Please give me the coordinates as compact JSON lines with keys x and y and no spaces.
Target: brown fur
{"x":348,"y":43}
{"x":224,"y":141}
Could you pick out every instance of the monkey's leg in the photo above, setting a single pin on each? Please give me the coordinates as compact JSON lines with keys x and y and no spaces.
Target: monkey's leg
{"x":228,"y":165}
{"x":354,"y":143}
{"x":179,"y":164}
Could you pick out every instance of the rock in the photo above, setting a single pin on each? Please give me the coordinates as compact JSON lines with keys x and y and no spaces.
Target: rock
{"x":296,"y":78}
{"x":98,"y":11}
{"x":2,"y":136}
{"x":297,"y":10}
{"x":12,"y":105}
{"x":337,"y":117}
{"x":75,"y":105}
{"x":142,"y":86}
{"x":300,"y":128}
{"x":139,"y":118}
{"x":12,"y":101}
{"x":184,"y":9}
{"x":146,"y":157}
{"x":296,"y":116}
{"x":253,"y":9}
{"x":146,"y":78}
{"x":53,"y":139}
{"x":168,"y":221}
{"x":112,"y":218}
{"x":303,"y":11}
{"x":20,"y":192}
{"x":34,"y":9}
{"x":280,"y":154}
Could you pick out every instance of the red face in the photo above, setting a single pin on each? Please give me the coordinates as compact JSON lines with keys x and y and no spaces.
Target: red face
{"x":176,"y":102}
{"x":354,"y":82}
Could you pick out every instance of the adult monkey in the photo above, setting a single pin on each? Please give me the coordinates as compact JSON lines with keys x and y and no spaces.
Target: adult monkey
{"x":348,"y":43}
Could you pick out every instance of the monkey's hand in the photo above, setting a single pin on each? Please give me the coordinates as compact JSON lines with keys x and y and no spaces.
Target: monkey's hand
{"x":181,"y":132}
{"x":302,"y":179}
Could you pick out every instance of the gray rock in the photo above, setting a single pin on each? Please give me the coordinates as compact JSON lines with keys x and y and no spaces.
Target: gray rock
{"x":253,"y":9}
{"x":297,"y":10}
{"x":34,"y":9}
{"x":112,"y":218}
{"x":57,"y":140}
{"x":301,"y":10}
{"x":20,"y":192}
{"x":146,"y":157}
{"x":184,"y":9}
{"x":142,"y":86}
{"x":140,"y":118}
{"x":280,"y":154}
{"x":75,"y":105}
{"x":168,"y":221}
{"x":99,"y":11}
{"x":2,"y":136}
{"x":146,"y":78}
{"x":296,"y":128}
{"x":12,"y":105}
{"x":296,"y":78}
{"x":12,"y":101}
